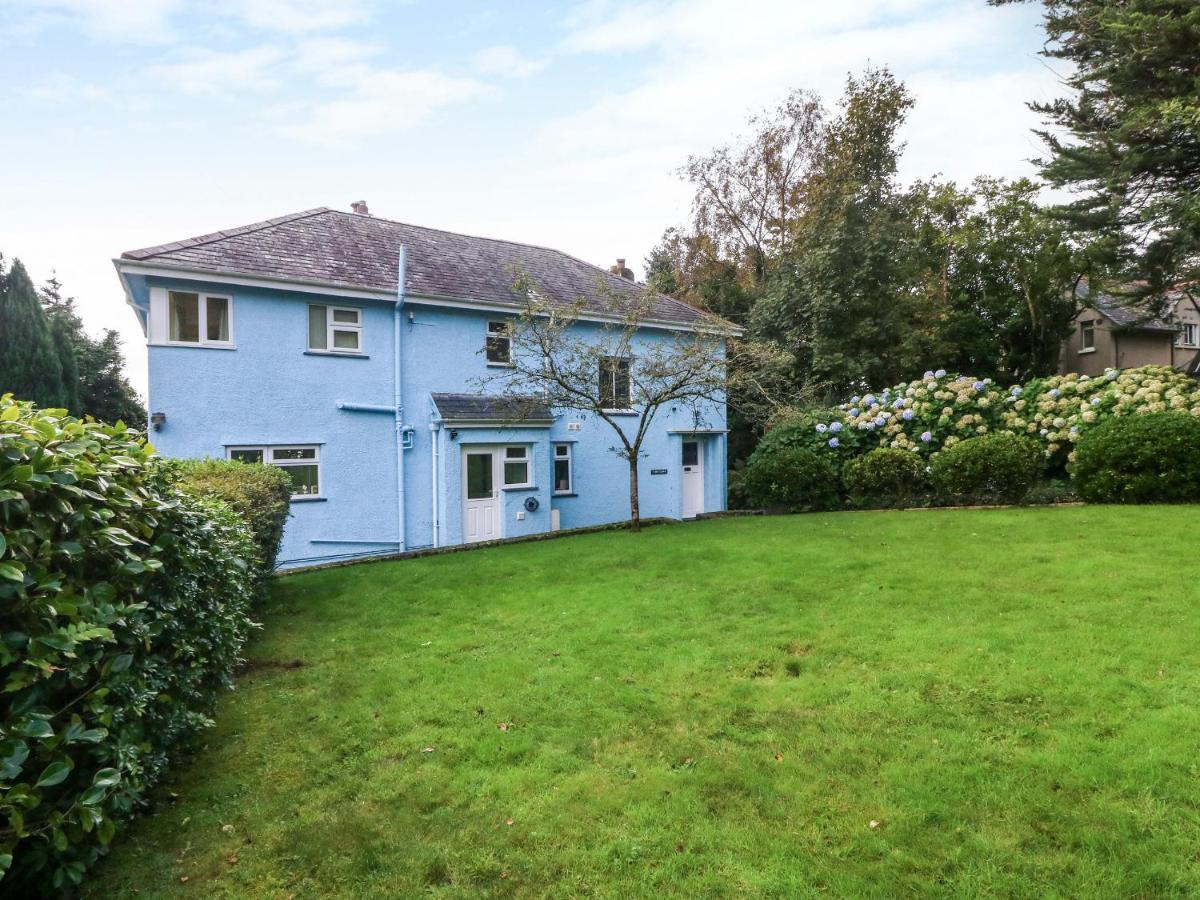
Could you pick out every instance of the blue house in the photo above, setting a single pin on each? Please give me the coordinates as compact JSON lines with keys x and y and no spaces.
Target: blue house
{"x":348,"y":350}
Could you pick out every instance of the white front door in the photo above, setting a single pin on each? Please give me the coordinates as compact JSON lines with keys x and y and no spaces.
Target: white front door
{"x":481,"y":497}
{"x":693,"y":479}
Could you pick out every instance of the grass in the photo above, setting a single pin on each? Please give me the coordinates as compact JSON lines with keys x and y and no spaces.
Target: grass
{"x":715,"y":710}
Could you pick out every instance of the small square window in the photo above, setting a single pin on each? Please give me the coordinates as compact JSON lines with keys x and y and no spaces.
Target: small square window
{"x":334,"y":329}
{"x":516,"y":466}
{"x":200,"y":319}
{"x":302,"y":465}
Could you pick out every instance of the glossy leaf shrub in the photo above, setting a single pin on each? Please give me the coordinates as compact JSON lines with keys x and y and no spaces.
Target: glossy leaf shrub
{"x":993,"y":468}
{"x":259,"y":494}
{"x":1153,"y":458}
{"x":123,"y":611}
{"x":791,"y":478}
{"x":885,"y":477}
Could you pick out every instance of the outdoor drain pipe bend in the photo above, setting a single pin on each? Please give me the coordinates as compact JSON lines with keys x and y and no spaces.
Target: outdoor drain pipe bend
{"x":401,"y":540}
{"x":435,"y":433}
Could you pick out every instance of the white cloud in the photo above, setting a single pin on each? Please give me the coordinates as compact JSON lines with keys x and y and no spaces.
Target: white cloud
{"x":298,"y":16}
{"x":204,"y":71}
{"x":126,"y":21}
{"x":507,"y":61}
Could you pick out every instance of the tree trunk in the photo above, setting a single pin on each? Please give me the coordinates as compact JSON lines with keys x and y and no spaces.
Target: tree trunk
{"x":635,"y":516}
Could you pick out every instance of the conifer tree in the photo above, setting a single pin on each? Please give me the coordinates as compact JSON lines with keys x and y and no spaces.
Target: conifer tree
{"x":30,"y":366}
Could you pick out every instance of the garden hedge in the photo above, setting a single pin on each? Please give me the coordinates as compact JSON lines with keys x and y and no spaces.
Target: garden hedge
{"x":792,"y":478}
{"x":123,"y":611}
{"x":1141,"y":459}
{"x":885,"y":477}
{"x":993,"y":468}
{"x":259,"y":494}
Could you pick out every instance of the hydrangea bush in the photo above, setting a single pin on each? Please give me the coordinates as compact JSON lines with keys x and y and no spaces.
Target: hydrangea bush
{"x":939,"y":410}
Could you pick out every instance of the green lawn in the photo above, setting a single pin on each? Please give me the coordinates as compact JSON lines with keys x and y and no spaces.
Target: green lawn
{"x":715,"y":709}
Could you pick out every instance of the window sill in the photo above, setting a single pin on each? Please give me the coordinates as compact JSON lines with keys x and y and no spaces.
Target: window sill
{"x":621,"y":412}
{"x":198,"y":345}
{"x":309,"y":499}
{"x":337,"y":355}
{"x":1082,"y":352}
{"x":558,"y":495}
{"x":500,"y":365}
{"x":516,"y":488}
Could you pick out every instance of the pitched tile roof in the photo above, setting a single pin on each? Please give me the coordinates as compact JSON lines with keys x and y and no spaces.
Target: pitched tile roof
{"x":326,"y":246}
{"x":1124,"y":316}
{"x":489,"y":408}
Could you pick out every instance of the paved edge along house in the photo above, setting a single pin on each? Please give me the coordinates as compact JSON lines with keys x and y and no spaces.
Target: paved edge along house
{"x":293,"y":341}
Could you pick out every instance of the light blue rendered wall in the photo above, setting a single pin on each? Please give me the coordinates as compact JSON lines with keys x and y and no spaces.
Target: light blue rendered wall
{"x":269,"y":391}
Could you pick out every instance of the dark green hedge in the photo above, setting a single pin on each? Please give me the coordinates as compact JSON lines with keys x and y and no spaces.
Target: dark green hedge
{"x":1151,"y":458}
{"x":885,"y":477}
{"x":992,"y":468}
{"x":123,"y":611}
{"x":259,"y":494}
{"x":793,"y":478}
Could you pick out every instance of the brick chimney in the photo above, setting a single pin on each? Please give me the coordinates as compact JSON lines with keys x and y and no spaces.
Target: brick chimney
{"x":619,"y":269}
{"x":360,"y":207}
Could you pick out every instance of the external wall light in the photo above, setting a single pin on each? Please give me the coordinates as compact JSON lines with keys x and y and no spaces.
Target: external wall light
{"x":158,"y":420}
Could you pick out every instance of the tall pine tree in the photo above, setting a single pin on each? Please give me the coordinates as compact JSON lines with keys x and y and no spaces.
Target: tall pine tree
{"x":30,"y":365}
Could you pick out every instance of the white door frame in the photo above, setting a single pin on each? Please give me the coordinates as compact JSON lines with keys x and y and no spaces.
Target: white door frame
{"x":691,"y":479}
{"x":497,"y":501}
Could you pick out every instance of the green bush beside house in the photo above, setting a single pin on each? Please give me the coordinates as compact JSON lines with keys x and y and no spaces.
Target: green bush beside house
{"x":124,"y":607}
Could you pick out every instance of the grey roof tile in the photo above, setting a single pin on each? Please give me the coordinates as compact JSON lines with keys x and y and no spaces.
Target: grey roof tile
{"x":327,"y":246}
{"x":489,"y":408}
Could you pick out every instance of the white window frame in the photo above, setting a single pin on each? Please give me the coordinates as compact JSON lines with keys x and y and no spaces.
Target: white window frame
{"x":569,"y":458}
{"x":331,"y":326}
{"x":160,"y":318}
{"x":268,"y":458}
{"x":526,"y":458}
{"x":1087,"y":329}
{"x":1185,"y":328}
{"x":505,"y":334}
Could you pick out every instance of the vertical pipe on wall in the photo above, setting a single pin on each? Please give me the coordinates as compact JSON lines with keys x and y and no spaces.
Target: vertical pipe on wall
{"x":435,"y":433}
{"x":398,"y":397}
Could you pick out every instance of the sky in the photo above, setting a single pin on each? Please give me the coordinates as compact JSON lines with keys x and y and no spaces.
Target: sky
{"x":129,"y":123}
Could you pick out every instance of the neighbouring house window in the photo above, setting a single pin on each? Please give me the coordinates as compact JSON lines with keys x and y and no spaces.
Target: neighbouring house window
{"x":1087,"y":336}
{"x":516,"y":466}
{"x":195,"y":318}
{"x":302,"y":464}
{"x":499,"y":344}
{"x":1189,"y":335}
{"x":335,"y":329}
{"x":614,"y":382}
{"x":562,"y":469}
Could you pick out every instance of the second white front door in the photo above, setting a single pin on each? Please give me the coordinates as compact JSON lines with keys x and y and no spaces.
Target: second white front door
{"x":481,"y":497}
{"x":693,"y":479}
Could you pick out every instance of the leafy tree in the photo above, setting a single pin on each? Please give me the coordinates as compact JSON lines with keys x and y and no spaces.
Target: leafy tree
{"x":1127,"y":138}
{"x":30,"y":366}
{"x":95,"y":368}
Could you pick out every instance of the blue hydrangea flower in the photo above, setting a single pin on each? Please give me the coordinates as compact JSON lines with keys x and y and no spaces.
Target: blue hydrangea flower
{"x":1054,"y":392}
{"x":1074,"y":429}
{"x":854,"y":411}
{"x":865,"y":426}
{"x":926,"y":436}
{"x":897,"y":403}
{"x":820,"y":428}
{"x":1095,"y":401}
{"x":979,"y":386}
{"x":908,"y":414}
{"x":880,"y":421}
{"x":928,"y":374}
{"x":940,"y":373}
{"x":1016,"y":391}
{"x":833,"y":442}
{"x":1111,"y":374}
{"x":835,"y":427}
{"x":868,"y":400}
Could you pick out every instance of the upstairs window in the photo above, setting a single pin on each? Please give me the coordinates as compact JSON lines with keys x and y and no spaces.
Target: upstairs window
{"x":498,"y":344}
{"x":563,"y":482}
{"x":335,"y":329}
{"x":614,"y":382}
{"x":301,"y":463}
{"x":1087,"y":337}
{"x":195,"y":318}
{"x":1189,"y":335}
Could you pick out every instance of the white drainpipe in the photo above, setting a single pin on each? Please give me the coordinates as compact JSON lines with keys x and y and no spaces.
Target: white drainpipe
{"x":435,"y":433}
{"x":399,"y":402}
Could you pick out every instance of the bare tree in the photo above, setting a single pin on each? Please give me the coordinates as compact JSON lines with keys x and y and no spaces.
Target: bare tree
{"x":599,"y":358}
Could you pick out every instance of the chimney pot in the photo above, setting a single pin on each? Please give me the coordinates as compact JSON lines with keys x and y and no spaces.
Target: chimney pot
{"x":620,"y":269}
{"x":360,"y":207}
